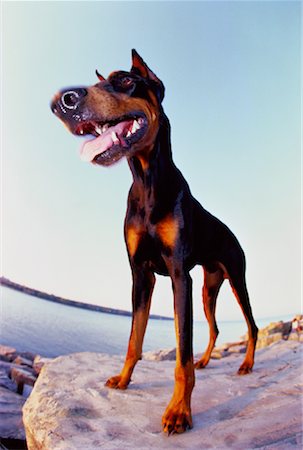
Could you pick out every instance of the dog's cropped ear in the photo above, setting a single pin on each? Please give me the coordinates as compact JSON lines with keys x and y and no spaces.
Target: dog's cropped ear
{"x":139,"y":67}
{"x":101,"y":78}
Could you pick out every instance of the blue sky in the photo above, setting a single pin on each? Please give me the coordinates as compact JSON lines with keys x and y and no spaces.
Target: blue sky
{"x":232,"y":77}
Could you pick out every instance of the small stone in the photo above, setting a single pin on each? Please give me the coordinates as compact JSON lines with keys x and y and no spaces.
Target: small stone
{"x":7,"y":353}
{"x":5,"y":381}
{"x":237,"y":349}
{"x":161,"y":355}
{"x":294,"y":336}
{"x":39,"y":362}
{"x":27,"y":390}
{"x":217,"y":355}
{"x":22,"y":376}
{"x":23,"y":361}
{"x":28,"y":355}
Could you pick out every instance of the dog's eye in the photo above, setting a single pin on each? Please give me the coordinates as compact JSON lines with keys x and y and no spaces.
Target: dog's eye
{"x":127,"y":82}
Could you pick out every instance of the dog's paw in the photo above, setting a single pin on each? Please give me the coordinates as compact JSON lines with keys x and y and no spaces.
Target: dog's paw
{"x":201,"y":364}
{"x":244,"y":369}
{"x":176,"y":420}
{"x":116,"y":382}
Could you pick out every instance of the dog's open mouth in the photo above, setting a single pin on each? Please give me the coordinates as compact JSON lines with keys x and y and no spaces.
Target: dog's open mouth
{"x":110,"y":140}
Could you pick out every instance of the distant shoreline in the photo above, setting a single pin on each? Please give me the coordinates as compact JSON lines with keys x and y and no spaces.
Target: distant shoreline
{"x":63,"y":301}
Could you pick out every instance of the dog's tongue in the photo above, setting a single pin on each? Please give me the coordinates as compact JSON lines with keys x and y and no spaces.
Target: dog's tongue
{"x":93,"y":147}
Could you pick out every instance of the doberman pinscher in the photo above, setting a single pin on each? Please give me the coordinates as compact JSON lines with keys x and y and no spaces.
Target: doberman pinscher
{"x":166,"y":230}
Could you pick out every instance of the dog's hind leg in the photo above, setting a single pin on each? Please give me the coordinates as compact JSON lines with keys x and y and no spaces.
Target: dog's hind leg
{"x":241,"y":294}
{"x":235,"y":272}
{"x":143,"y":284}
{"x":211,"y":286}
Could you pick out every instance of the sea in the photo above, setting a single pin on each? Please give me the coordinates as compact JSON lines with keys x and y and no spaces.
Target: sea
{"x":51,"y":329}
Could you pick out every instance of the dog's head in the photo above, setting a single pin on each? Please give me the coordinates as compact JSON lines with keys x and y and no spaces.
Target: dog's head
{"x":120,"y":114}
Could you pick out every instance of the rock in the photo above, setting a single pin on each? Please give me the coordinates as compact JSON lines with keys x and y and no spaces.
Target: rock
{"x":5,"y":371}
{"x":294,"y":336}
{"x":18,"y":444}
{"x":265,"y":341}
{"x":70,"y":408}
{"x":277,"y":327}
{"x":6,"y":382}
{"x":28,"y":355}
{"x":39,"y":362}
{"x":229,"y":348}
{"x":286,"y":328}
{"x":22,"y":376}
{"x":11,"y":425}
{"x":216,"y":354}
{"x":7,"y":353}
{"x":6,"y":367}
{"x":27,"y":390}
{"x":23,"y":361}
{"x":161,"y":355}
{"x":16,"y":377}
{"x":236,"y":349}
{"x":229,"y":345}
{"x":273,"y":328}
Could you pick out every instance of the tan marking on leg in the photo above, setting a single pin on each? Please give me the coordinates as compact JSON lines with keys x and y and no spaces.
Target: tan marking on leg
{"x":248,"y":363}
{"x":168,"y":230}
{"x":134,"y":351}
{"x":133,"y":236}
{"x":177,"y":417}
{"x":212,"y":284}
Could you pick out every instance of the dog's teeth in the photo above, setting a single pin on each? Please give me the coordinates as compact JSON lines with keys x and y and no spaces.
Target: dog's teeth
{"x":135,"y":126}
{"x":128,"y":134}
{"x":98,"y":129}
{"x":105,"y":127}
{"x":81,"y":131}
{"x":114,"y":137}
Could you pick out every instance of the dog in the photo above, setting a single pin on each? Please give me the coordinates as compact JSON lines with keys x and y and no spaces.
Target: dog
{"x":166,"y":230}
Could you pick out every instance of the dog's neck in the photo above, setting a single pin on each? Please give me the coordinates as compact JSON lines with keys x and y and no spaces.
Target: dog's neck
{"x":156,"y":160}
{"x":157,"y":186}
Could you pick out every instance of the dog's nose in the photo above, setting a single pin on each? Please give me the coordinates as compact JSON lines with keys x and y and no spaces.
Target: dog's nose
{"x":68,"y":100}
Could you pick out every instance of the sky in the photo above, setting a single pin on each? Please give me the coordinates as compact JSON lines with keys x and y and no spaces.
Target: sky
{"x":232,"y":77}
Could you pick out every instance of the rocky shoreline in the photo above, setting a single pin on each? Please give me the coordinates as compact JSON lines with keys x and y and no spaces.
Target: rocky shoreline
{"x":20,"y":370}
{"x":18,"y":374}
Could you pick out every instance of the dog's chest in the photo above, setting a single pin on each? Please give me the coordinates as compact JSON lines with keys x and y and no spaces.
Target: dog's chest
{"x":152,"y":243}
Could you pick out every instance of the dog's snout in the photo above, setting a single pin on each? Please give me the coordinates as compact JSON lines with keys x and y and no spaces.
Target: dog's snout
{"x":67,"y":100}
{"x":70,"y":99}
{"x":54,"y":107}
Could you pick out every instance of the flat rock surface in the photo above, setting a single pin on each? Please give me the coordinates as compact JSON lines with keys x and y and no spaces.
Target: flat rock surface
{"x":70,"y":408}
{"x":10,"y":415}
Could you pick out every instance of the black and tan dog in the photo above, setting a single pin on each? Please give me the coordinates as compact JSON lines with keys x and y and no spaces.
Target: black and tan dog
{"x":166,"y":230}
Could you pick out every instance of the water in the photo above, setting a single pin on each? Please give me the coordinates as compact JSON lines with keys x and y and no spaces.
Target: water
{"x":51,"y":329}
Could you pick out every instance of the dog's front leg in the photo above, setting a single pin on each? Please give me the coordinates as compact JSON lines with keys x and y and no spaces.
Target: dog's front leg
{"x":143,"y":283}
{"x":177,"y":417}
